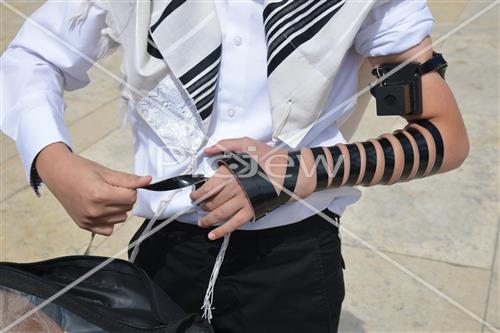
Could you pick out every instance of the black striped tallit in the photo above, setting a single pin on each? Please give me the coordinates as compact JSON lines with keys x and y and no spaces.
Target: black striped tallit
{"x":200,"y":81}
{"x":287,"y":24}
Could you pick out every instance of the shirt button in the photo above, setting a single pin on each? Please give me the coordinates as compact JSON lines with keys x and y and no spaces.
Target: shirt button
{"x":231,"y":113}
{"x":238,"y":40}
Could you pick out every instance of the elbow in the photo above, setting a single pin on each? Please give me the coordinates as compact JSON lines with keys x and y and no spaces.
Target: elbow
{"x":463,"y":151}
{"x":457,"y":153}
{"x":463,"y":147}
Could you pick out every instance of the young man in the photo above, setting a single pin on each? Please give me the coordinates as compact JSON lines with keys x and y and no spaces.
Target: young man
{"x":247,"y":75}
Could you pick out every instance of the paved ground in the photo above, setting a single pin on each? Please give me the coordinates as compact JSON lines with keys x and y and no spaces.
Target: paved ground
{"x":436,"y":239}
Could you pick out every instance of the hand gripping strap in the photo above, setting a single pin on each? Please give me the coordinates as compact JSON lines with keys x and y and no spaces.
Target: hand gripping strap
{"x":254,"y":181}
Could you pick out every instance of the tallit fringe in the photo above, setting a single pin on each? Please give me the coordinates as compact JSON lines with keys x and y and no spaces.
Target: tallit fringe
{"x":89,"y":246}
{"x":276,"y":134}
{"x":159,"y":211}
{"x":161,"y":208}
{"x":81,"y":15}
{"x":108,"y":36}
{"x":209,"y":295}
{"x":123,"y":113}
{"x":105,"y":42}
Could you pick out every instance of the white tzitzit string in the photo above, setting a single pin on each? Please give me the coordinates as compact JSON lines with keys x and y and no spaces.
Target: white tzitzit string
{"x":209,"y":295}
{"x":89,"y":247}
{"x":159,"y":211}
{"x":161,"y":208}
{"x":274,"y":138}
{"x":81,"y":15}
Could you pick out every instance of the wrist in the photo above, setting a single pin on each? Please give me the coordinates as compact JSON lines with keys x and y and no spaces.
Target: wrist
{"x":50,"y":157}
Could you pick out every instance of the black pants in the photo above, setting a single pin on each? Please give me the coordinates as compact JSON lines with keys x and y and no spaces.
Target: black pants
{"x":281,"y":280}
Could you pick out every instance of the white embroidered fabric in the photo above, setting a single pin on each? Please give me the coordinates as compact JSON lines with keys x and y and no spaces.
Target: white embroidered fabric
{"x":177,"y":124}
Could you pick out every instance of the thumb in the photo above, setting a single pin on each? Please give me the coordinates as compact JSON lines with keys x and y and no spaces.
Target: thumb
{"x":126,"y":180}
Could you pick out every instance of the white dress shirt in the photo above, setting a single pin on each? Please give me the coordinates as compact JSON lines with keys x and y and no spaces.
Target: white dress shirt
{"x":36,"y":68}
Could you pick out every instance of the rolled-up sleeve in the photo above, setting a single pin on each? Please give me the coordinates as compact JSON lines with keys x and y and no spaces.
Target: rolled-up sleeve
{"x":47,"y":56}
{"x":393,"y":27}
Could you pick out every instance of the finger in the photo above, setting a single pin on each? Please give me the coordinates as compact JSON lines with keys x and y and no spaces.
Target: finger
{"x":234,"y":145}
{"x":111,"y":212}
{"x":97,"y":211}
{"x":119,"y":196}
{"x":114,"y":219}
{"x":212,"y":186}
{"x":126,"y":180}
{"x":223,"y":213}
{"x":105,"y":195}
{"x":116,"y":215}
{"x":230,"y":190}
{"x":105,"y":230}
{"x":239,"y":219}
{"x":208,"y":189}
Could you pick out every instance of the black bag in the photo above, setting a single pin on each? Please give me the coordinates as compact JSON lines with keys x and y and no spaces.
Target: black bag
{"x":120,"y":297}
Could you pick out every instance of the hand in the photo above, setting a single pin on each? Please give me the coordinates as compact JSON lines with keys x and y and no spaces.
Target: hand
{"x":94,"y":196}
{"x":226,"y":200}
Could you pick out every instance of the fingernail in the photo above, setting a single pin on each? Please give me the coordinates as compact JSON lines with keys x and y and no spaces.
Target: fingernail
{"x":199,"y":223}
{"x":211,"y":236}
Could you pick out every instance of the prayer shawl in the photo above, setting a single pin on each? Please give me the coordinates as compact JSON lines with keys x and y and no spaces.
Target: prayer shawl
{"x":178,"y":43}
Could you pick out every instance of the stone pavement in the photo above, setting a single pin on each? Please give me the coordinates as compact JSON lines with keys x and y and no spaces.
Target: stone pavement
{"x":442,"y":232}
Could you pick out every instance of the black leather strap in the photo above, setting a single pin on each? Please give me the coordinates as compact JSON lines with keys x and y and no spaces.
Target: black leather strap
{"x":408,"y":152}
{"x":423,"y":150}
{"x":438,"y":141}
{"x":259,"y":190}
{"x":254,"y":181}
{"x":436,"y":63}
{"x":371,"y":163}
{"x":291,"y":177}
{"x":355,"y":165}
{"x":389,"y":160}
{"x":338,"y":165}
{"x":321,"y":168}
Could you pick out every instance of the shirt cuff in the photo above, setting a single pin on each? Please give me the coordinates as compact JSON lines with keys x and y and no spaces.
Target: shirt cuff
{"x":38,"y":128}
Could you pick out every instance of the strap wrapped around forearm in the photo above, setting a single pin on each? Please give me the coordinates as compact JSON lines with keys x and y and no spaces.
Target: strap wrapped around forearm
{"x":414,"y":152}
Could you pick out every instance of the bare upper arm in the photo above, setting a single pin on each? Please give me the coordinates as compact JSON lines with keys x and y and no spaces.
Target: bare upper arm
{"x":438,"y":101}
